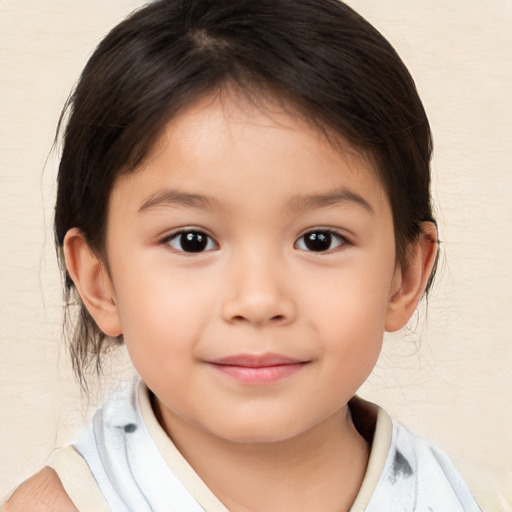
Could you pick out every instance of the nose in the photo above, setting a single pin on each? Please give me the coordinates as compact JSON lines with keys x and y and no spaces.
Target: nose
{"x":259,"y":293}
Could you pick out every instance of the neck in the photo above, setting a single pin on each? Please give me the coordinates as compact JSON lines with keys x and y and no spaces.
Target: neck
{"x":320,"y":469}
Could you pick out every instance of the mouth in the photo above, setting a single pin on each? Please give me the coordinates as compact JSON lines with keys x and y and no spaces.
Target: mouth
{"x":257,"y":369}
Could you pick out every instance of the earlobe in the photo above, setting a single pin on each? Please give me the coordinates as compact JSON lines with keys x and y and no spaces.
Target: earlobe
{"x":410,"y":282}
{"x":92,"y":281}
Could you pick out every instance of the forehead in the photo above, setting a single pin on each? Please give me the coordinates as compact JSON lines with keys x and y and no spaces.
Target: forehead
{"x":245,"y":145}
{"x":229,"y":105}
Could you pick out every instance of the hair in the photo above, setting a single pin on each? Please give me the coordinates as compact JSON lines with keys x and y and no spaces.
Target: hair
{"x":320,"y":56}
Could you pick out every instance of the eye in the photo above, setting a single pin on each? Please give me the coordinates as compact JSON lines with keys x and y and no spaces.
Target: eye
{"x":321,"y":240}
{"x":191,"y":241}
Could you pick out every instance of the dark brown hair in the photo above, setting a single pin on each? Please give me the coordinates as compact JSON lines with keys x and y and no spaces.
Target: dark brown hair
{"x":324,"y":59}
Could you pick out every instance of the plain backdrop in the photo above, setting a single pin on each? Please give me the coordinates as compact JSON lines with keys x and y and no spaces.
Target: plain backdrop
{"x":447,"y":378}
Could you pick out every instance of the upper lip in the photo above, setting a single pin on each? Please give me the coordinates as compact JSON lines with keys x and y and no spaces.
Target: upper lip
{"x":256,"y":360}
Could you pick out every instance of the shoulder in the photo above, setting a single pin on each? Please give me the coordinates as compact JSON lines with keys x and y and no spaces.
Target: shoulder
{"x":43,"y":492}
{"x":492,"y":488}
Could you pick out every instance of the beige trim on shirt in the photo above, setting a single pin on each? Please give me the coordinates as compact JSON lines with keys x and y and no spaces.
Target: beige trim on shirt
{"x":380,"y":445}
{"x":180,"y":467}
{"x":77,"y":480}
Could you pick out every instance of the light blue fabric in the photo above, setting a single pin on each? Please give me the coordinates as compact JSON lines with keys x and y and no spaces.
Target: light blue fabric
{"x":125,"y":462}
{"x":133,"y":476}
{"x":418,"y":477}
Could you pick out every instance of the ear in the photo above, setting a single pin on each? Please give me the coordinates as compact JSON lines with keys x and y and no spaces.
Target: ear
{"x":410,"y":282}
{"x":91,"y":279}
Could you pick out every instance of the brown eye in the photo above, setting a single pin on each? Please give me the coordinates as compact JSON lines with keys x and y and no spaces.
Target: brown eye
{"x":319,"y":241}
{"x":191,"y":241}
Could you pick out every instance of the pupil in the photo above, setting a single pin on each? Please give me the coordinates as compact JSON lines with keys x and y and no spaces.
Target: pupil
{"x":193,"y":241}
{"x":318,"y":241}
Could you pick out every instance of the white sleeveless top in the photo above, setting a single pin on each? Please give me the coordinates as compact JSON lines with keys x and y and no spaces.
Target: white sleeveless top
{"x":136,"y":467}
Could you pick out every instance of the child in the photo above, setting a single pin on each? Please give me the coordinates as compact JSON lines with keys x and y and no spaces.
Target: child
{"x":243,"y":200}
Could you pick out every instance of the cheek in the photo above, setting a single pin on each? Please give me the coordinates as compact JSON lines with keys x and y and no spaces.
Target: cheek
{"x":162,"y":316}
{"x":354,"y":298}
{"x":351,"y":352}
{"x":353,"y":342}
{"x":350,"y":320}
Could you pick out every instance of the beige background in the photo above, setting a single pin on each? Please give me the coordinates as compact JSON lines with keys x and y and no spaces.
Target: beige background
{"x":449,"y":378}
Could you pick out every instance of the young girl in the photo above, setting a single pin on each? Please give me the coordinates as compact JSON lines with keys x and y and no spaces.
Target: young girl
{"x":243,"y":200}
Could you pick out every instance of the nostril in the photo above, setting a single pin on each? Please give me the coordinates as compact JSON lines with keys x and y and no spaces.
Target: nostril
{"x":242,"y":318}
{"x":258,"y":308}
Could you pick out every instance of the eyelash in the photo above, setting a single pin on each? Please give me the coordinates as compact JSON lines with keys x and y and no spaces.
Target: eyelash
{"x":201,"y":242}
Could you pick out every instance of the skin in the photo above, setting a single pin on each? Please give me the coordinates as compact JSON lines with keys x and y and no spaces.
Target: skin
{"x":43,"y":492}
{"x":256,"y":182}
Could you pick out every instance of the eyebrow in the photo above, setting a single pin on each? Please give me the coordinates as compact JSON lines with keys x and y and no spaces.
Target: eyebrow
{"x":172,"y":197}
{"x":331,"y":198}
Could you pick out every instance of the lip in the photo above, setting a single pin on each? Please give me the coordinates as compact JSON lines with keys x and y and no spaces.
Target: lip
{"x":257,"y":369}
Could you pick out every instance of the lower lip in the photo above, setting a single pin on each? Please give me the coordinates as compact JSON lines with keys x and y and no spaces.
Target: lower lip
{"x":261,"y":374}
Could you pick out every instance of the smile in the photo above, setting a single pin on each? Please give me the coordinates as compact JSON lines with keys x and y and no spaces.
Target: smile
{"x":257,"y":370}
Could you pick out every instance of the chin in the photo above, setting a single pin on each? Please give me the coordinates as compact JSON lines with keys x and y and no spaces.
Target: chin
{"x":260,"y":432}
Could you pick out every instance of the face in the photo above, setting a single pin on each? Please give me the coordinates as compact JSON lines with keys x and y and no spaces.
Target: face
{"x":252,"y":267}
